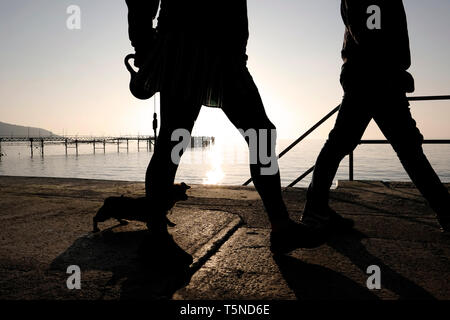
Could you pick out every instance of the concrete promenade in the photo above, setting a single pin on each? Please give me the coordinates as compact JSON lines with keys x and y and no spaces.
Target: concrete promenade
{"x":46,"y":223}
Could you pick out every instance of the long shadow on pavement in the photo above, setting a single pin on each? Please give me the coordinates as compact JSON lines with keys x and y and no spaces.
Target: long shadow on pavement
{"x":309,"y":281}
{"x":314,"y":282}
{"x":136,"y":272}
{"x":352,"y":247}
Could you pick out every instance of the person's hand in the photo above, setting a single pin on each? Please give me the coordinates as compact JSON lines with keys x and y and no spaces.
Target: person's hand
{"x":141,"y":55}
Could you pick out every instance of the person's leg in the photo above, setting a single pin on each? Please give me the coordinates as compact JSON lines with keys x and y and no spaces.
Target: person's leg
{"x":176,"y":114}
{"x":351,"y":122}
{"x":398,"y":126}
{"x":242,"y":104}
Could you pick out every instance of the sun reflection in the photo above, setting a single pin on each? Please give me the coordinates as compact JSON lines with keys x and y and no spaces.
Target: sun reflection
{"x":215,"y":175}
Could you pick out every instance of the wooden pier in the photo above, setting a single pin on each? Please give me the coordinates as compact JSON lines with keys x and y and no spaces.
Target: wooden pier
{"x":98,"y":143}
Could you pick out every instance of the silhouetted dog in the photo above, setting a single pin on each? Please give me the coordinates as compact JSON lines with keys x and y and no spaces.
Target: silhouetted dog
{"x":137,"y":209}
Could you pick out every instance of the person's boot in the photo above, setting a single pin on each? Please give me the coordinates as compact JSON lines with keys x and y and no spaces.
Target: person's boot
{"x":162,"y":251}
{"x":159,"y":246}
{"x":293,"y":236}
{"x":326,"y":220}
{"x":318,"y":215}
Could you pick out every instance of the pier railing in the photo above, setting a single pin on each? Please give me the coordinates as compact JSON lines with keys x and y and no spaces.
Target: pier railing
{"x":73,"y":142}
{"x":351,"y":157}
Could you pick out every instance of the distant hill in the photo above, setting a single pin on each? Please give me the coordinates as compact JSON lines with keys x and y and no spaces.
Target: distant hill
{"x":9,"y":130}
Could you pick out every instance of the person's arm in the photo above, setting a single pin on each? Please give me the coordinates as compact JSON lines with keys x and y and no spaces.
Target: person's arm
{"x":140,"y":26}
{"x":356,"y":17}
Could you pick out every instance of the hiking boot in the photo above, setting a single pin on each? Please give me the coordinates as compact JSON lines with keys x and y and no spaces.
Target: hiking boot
{"x":161,"y":249}
{"x":294,"y":236}
{"x":326,"y":219}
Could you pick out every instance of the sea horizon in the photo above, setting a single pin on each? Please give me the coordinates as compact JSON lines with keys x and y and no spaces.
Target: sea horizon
{"x":222,"y":163}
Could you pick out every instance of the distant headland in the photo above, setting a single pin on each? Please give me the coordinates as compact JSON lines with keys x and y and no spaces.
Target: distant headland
{"x":11,"y":130}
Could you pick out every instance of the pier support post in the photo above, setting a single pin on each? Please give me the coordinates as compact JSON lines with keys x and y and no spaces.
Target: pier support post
{"x":76,"y":146}
{"x":31,"y":146}
{"x":138,"y":144}
{"x":94,"y":145}
{"x":118,"y":146}
{"x":65,"y":143}
{"x":127,"y":144}
{"x":104,"y":146}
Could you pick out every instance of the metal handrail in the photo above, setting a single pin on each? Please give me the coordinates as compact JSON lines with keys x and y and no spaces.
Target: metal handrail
{"x":302,"y":137}
{"x":329,"y":115}
{"x":351,"y":158}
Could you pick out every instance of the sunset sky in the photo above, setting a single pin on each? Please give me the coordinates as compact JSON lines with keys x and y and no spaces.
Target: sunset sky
{"x":74,"y":81}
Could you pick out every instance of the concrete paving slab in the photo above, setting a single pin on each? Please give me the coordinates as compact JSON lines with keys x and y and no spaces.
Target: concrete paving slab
{"x":243,"y":268}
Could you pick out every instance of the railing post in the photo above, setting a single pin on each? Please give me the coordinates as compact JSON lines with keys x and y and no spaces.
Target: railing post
{"x":350,"y":166}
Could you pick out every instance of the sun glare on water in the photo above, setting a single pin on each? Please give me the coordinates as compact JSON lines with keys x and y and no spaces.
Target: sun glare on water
{"x":215,"y":175}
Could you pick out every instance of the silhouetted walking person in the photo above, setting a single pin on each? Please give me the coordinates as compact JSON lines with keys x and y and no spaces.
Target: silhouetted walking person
{"x":376,"y":56}
{"x":203,"y":62}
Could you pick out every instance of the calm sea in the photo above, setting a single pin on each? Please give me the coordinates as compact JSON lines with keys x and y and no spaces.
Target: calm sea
{"x":223,"y":163}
